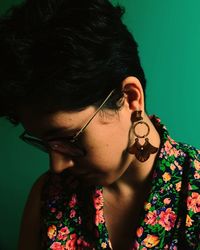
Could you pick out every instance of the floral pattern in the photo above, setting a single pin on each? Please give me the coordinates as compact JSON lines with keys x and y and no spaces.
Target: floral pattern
{"x":73,"y":219}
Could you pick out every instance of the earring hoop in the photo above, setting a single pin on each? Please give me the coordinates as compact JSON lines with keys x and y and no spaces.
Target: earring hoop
{"x":143,"y":123}
{"x":141,"y":151}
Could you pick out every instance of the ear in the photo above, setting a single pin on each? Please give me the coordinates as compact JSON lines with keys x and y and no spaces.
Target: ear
{"x":134,"y":93}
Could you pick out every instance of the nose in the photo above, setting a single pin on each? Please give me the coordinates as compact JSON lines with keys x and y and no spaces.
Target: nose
{"x":59,"y":162}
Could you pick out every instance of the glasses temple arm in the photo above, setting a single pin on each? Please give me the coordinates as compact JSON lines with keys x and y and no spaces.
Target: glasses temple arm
{"x":79,"y":132}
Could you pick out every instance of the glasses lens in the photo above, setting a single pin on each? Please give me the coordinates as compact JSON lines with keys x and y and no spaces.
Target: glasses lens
{"x":62,"y":145}
{"x":67,"y":148}
{"x":36,"y":143}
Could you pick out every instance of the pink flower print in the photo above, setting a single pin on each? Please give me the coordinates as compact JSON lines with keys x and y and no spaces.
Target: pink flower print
{"x":166,"y":201}
{"x":151,"y":217}
{"x":98,"y":199}
{"x":167,"y":219}
{"x":71,"y":243}
{"x":193,"y":202}
{"x":136,"y":245}
{"x":168,"y":147}
{"x":57,"y":246}
{"x":139,"y":231}
{"x":82,"y":242}
{"x":53,"y":209}
{"x":196,"y":175}
{"x":99,"y":217}
{"x":63,"y":233}
{"x":59,"y":215}
{"x":197,"y":165}
{"x":189,"y":186}
{"x":174,"y":152}
{"x":73,"y":201}
{"x":72,"y":213}
{"x":171,"y":140}
{"x":79,"y":220}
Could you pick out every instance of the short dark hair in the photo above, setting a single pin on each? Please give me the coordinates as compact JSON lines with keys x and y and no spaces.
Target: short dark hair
{"x":64,"y":55}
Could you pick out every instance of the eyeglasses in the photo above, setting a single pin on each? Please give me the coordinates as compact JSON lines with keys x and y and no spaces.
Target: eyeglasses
{"x":63,"y":145}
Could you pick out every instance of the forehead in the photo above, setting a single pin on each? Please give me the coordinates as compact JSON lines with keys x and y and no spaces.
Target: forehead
{"x":38,"y":123}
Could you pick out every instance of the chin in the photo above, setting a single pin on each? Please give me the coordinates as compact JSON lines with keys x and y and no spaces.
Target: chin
{"x":100,"y":179}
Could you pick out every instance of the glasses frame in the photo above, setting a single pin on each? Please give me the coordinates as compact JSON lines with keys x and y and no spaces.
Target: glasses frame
{"x":73,"y":140}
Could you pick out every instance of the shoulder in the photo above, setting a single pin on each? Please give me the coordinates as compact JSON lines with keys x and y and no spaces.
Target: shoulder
{"x":39,"y":183}
{"x":30,"y":225}
{"x":191,"y":151}
{"x":191,"y":162}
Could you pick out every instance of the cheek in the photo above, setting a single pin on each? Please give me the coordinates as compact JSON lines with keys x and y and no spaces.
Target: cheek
{"x":105,"y":149}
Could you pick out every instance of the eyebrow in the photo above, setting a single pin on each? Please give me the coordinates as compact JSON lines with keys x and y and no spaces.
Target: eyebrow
{"x":56,"y":132}
{"x":60,"y":130}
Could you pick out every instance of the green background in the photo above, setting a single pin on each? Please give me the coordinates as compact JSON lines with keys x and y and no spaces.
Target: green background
{"x":168,"y":34}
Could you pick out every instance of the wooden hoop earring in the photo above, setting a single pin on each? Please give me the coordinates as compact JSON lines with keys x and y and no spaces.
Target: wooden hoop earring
{"x":141,"y":151}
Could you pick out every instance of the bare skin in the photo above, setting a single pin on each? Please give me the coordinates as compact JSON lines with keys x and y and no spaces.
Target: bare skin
{"x":125,"y":179}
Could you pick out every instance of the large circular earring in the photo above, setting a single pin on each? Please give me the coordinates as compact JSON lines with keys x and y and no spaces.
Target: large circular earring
{"x":141,"y":151}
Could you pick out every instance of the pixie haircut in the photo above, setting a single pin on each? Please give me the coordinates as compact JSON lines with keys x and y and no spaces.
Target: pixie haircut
{"x":64,"y":55}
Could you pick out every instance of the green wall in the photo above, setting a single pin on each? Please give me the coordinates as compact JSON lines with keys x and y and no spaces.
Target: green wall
{"x":168,"y":34}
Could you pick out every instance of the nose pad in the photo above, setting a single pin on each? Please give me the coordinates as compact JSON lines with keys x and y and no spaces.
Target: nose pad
{"x":59,"y":162}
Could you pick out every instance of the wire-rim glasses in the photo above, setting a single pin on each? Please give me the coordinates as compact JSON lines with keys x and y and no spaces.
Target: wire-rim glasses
{"x":63,"y":145}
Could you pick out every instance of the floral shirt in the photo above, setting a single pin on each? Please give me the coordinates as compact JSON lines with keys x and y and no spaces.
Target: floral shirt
{"x":73,"y":219}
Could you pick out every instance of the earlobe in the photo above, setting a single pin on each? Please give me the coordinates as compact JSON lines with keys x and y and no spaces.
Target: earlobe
{"x":133,"y":91}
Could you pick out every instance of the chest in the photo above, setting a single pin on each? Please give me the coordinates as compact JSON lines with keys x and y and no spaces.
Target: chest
{"x":122,"y":219}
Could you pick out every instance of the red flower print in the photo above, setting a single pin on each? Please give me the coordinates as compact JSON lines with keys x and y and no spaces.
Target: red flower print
{"x":193,"y":202}
{"x":99,"y":217}
{"x":98,"y":199}
{"x":151,"y":218}
{"x":139,"y":231}
{"x":73,"y":201}
{"x":136,"y":245}
{"x":167,"y":219}
{"x":57,"y":246}
{"x":63,"y":233}
{"x":82,"y":242}
{"x":71,"y":243}
{"x":53,"y":209}
{"x":59,"y":215}
{"x":72,"y":213}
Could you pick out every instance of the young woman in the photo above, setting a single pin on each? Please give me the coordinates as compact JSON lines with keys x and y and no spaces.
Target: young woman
{"x":71,"y":75}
